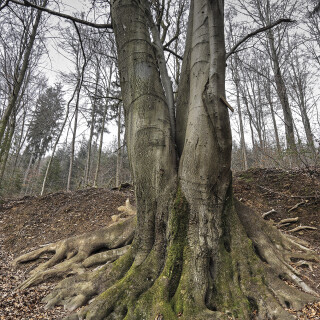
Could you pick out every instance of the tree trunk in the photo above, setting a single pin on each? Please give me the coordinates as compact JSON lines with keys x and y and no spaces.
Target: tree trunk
{"x":56,"y":143}
{"x":93,"y":116}
{"x":20,"y":76}
{"x":74,"y":135}
{"x":236,"y":79}
{"x":196,"y":253}
{"x":6,"y":148}
{"x":283,"y":97}
{"x":100,"y":146}
{"x":119,"y":153}
{"x":105,"y":110}
{"x":267,"y":88}
{"x":25,"y":178}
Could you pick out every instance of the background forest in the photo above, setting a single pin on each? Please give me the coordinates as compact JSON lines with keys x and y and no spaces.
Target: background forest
{"x":63,"y":130}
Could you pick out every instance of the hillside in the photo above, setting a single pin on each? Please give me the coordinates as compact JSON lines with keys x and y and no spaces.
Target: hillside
{"x":30,"y":222}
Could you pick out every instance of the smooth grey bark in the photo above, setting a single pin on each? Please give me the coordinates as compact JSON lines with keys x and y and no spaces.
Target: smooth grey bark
{"x":149,"y":137}
{"x":165,"y":79}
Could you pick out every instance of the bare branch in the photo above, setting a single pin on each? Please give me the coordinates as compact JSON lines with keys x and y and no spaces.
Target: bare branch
{"x":302,"y":228}
{"x":172,"y":52}
{"x":4,"y":5}
{"x":252,"y":34}
{"x":264,"y":215}
{"x":62,"y":15}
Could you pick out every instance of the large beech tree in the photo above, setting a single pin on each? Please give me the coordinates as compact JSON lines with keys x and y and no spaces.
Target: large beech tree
{"x":192,"y":251}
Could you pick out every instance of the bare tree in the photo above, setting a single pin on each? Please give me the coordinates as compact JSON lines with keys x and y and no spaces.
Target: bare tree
{"x":194,"y":250}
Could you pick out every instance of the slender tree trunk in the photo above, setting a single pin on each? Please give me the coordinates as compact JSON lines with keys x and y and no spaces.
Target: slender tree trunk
{"x":27,"y":172}
{"x":119,"y":151}
{"x":283,"y":97}
{"x":93,"y":116}
{"x":19,"y":146}
{"x":274,"y":122}
{"x":21,"y":75}
{"x":100,"y":145}
{"x":75,"y":125}
{"x":56,"y":144}
{"x":242,"y":137}
{"x":305,"y":120}
{"x":236,"y":79}
{"x":7,"y":148}
{"x":105,"y":110}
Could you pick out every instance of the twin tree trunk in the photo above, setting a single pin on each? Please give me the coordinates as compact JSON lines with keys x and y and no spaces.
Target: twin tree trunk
{"x":196,"y":252}
{"x":187,"y":228}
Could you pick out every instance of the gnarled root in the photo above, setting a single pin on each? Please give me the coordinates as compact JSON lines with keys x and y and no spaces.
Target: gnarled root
{"x":76,"y":291}
{"x":74,"y":255}
{"x":275,"y":248}
{"x":244,"y":279}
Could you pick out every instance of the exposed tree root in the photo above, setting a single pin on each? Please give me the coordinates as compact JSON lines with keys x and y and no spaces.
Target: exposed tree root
{"x":249,"y":279}
{"x":73,"y":255}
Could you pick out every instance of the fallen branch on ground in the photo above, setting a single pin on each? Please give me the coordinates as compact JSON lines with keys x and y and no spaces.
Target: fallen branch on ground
{"x":298,"y":205}
{"x":264,"y":215}
{"x":302,"y":228}
{"x":287,"y":221}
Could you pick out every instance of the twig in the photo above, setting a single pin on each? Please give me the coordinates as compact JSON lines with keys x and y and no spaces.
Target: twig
{"x":250,"y":35}
{"x":302,"y":228}
{"x":305,"y":197}
{"x":288,"y":196}
{"x":174,"y":53}
{"x":272,"y":191}
{"x":287,"y":221}
{"x":62,"y":15}
{"x":264,"y":215}
{"x":297,"y":205}
{"x":5,"y":4}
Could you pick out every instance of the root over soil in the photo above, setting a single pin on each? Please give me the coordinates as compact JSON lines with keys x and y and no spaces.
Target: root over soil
{"x":252,"y":278}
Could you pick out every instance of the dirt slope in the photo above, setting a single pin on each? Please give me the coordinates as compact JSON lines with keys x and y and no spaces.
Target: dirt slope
{"x":32,"y":221}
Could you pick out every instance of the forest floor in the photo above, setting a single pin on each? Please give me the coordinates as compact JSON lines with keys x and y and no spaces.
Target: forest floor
{"x":29,"y":222}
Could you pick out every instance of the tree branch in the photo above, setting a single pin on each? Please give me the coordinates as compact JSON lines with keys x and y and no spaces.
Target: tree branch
{"x":172,"y":52}
{"x":252,"y":34}
{"x":62,"y":15}
{"x":4,"y":5}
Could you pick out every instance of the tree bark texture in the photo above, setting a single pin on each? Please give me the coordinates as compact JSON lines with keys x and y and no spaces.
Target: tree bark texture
{"x":196,"y":253}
